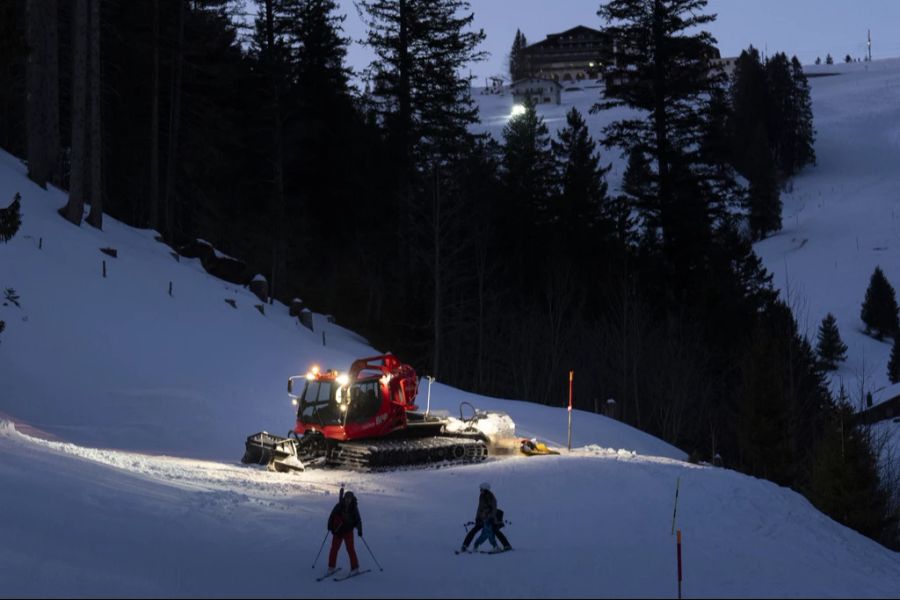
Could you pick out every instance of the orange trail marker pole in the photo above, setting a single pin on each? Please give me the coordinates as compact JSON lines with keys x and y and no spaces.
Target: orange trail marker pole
{"x":679,"y":564}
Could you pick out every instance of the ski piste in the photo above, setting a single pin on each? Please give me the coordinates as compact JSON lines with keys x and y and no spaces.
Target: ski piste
{"x":327,"y":575}
{"x":351,"y":574}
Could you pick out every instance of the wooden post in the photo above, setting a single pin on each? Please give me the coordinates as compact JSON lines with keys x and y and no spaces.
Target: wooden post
{"x":104,"y":269}
{"x":41,"y":244}
{"x":170,"y":288}
{"x":571,"y":375}
{"x":323,"y":338}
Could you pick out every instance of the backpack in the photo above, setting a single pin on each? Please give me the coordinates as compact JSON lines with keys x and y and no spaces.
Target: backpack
{"x":499,"y":522}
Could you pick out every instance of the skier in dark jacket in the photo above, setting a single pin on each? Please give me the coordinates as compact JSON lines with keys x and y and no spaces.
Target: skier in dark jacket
{"x":486,"y":513}
{"x":343,"y":520}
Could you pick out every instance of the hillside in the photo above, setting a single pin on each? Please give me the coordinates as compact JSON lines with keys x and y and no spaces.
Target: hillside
{"x":125,"y":411}
{"x":841,"y":217}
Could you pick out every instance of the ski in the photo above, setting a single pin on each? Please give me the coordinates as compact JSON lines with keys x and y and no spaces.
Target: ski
{"x":462,"y":552}
{"x":500,"y":551}
{"x":327,"y":575}
{"x":349,"y":575}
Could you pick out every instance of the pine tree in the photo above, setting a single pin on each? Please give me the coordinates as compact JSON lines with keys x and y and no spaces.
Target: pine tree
{"x":763,"y":198}
{"x":517,"y":68}
{"x":845,"y":482}
{"x":422,"y":50}
{"x":314,"y":28}
{"x":528,"y":164}
{"x":894,"y":362}
{"x":749,"y":98}
{"x":804,"y":133}
{"x":582,"y":197}
{"x":780,"y":117}
{"x":830,"y":348}
{"x":10,"y":219}
{"x":879,"y":310}
{"x":818,"y":60}
{"x":829,"y":60}
{"x":662,"y":67}
{"x":848,"y":59}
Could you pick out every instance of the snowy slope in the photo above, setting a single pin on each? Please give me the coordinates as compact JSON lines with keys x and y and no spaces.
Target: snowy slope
{"x":123,"y":417}
{"x":590,"y":524}
{"x":116,"y":362}
{"x":842,"y":218}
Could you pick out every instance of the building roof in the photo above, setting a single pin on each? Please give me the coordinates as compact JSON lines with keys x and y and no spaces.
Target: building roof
{"x":553,"y":39}
{"x":541,"y":79}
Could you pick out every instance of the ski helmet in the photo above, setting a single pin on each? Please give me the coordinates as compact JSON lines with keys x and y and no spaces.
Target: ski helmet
{"x":485,"y":486}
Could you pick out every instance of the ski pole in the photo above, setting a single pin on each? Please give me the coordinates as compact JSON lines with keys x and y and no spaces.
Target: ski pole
{"x":320,"y":550}
{"x":370,"y":552}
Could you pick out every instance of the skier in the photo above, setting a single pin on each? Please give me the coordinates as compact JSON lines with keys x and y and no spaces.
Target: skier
{"x":487,"y":513}
{"x":343,"y":520}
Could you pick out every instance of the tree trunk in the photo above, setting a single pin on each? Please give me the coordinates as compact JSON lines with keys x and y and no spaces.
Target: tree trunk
{"x":437,"y":307}
{"x":74,"y":209}
{"x":279,"y":266}
{"x":42,"y":81}
{"x":174,"y":118}
{"x":95,"y":217}
{"x":154,"y":126}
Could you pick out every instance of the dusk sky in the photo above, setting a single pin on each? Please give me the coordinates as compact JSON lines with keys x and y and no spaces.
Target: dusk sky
{"x":807,"y":28}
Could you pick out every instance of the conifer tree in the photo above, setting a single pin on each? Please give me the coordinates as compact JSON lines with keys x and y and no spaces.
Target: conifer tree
{"x":763,"y":198}
{"x":314,"y":28}
{"x":421,"y":52}
{"x":322,"y":112}
{"x":528,"y":164}
{"x":830,"y":348}
{"x":662,"y":67}
{"x":10,"y":219}
{"x":828,"y":59}
{"x":749,"y":98}
{"x":780,"y":116}
{"x":894,"y":362}
{"x":804,"y":150}
{"x":517,"y":66}
{"x":879,"y":309}
{"x":845,"y":482}
{"x":581,"y":178}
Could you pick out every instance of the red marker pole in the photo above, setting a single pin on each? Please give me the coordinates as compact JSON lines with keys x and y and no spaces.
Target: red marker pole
{"x":571,"y":374}
{"x":679,"y":564}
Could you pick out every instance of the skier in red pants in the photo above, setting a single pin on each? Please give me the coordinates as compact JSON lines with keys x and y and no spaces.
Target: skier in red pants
{"x":343,"y":520}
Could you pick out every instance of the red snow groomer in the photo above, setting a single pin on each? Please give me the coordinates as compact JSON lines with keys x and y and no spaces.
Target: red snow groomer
{"x":366,"y":419}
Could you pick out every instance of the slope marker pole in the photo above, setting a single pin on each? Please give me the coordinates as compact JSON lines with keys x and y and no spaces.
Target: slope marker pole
{"x":677,"y":485}
{"x":679,"y":564}
{"x":571,"y":375}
